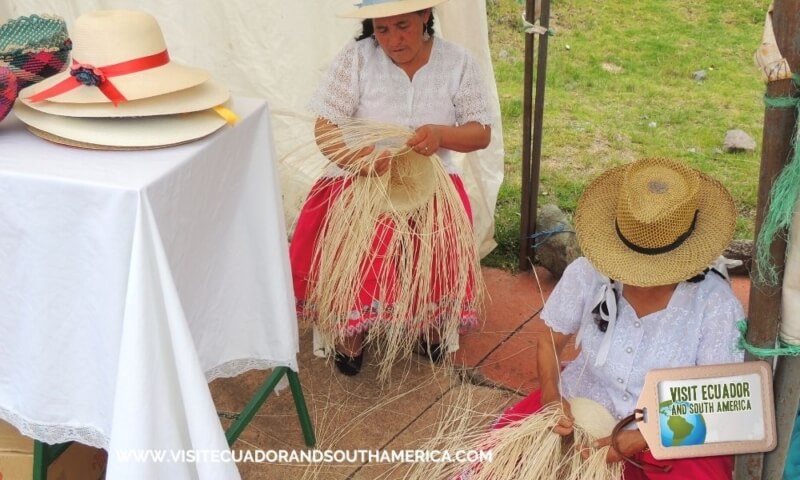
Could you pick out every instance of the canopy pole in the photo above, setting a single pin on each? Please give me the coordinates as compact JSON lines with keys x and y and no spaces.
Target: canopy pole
{"x":779,"y":129}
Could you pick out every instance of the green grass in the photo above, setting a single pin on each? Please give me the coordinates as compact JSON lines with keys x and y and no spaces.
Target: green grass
{"x":619,"y":87}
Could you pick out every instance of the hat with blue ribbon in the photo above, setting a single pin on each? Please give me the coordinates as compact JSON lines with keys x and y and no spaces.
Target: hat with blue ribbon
{"x":387,"y":8}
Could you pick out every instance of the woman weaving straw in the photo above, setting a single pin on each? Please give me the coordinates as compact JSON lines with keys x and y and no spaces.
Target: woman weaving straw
{"x":396,"y":72}
{"x":642,"y":298}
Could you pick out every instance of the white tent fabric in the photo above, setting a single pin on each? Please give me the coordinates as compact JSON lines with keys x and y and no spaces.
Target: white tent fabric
{"x":278,"y":50}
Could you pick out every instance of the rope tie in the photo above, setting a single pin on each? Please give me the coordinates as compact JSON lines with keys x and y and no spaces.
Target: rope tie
{"x":546,"y":234}
{"x":784,"y":348}
{"x":782,"y":198}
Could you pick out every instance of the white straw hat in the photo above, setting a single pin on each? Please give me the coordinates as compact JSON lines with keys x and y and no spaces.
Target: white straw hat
{"x":117,"y":55}
{"x":388,"y":8}
{"x":201,"y":97}
{"x":120,"y":133}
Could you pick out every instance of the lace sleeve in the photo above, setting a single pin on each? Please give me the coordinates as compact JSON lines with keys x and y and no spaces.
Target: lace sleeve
{"x":470,"y":99}
{"x":563,"y":311}
{"x":336,"y":97}
{"x":719,"y":334}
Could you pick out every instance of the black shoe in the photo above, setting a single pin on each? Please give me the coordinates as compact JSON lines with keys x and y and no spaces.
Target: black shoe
{"x":348,"y":365}
{"x":432,"y":350}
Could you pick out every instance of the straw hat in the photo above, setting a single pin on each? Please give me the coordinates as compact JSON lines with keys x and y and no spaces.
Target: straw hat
{"x":117,"y":54}
{"x":120,"y":133}
{"x":411,"y":182}
{"x":654,"y":222}
{"x":201,"y":97}
{"x":388,"y":8}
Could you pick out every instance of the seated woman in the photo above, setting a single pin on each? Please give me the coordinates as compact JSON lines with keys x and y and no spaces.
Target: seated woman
{"x":643,"y":298}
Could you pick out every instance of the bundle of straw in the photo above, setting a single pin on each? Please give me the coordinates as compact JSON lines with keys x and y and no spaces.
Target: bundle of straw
{"x":409,"y":228}
{"x":528,"y":449}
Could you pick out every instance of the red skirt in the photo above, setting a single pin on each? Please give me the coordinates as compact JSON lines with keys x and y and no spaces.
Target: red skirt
{"x":366,"y":310}
{"x":699,"y":468}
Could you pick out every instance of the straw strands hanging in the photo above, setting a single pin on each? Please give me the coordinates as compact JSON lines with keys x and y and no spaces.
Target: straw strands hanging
{"x":528,"y":449}
{"x":408,"y":229}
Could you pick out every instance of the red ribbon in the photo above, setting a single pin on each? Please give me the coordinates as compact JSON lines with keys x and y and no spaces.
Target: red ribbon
{"x":100,"y":77}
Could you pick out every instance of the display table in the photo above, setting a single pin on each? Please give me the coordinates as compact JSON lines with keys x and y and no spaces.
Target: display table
{"x":129,"y":280}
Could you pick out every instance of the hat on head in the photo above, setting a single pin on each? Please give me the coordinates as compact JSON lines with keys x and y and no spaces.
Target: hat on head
{"x":388,"y":8}
{"x":117,"y":55}
{"x":654,"y":222}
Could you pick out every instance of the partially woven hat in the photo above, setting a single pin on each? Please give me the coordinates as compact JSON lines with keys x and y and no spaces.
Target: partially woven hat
{"x":654,"y":222}
{"x":34,"y":47}
{"x":411,"y":182}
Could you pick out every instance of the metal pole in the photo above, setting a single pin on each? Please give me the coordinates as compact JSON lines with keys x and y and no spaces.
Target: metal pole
{"x":527,"y":219}
{"x":532,"y":127}
{"x":779,"y":125}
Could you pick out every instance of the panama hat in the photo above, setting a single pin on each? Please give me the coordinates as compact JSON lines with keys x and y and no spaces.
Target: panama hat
{"x":201,"y":97}
{"x":117,"y":55}
{"x":388,"y":8}
{"x":654,"y":222}
{"x":120,"y":133}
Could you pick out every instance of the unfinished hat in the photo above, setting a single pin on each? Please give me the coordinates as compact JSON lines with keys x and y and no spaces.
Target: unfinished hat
{"x":117,"y":56}
{"x":411,"y":181}
{"x":121,"y":133}
{"x":388,"y":8}
{"x":654,"y":222}
{"x":201,"y":97}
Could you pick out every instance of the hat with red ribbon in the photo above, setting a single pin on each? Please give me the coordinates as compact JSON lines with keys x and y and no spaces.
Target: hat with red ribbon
{"x":117,"y":56}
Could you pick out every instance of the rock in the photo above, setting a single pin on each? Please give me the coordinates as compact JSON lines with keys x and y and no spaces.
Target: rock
{"x":740,"y":250}
{"x":738,"y":141}
{"x":699,"y":76}
{"x":558,"y":248}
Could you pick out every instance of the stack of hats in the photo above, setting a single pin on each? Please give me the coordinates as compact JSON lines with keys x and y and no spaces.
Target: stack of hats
{"x":122,"y":90}
{"x":32,"y":48}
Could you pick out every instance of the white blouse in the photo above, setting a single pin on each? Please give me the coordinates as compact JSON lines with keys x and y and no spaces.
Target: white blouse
{"x":364,"y":83}
{"x":698,"y":327}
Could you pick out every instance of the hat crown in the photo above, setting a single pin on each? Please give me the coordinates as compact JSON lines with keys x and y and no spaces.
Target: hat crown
{"x":657,"y":203}
{"x":107,"y":37}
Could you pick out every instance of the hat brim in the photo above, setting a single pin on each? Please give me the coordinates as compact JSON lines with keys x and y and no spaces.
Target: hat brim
{"x":152,"y":82}
{"x":201,"y":97}
{"x":123,"y":133}
{"x":595,"y":226}
{"x":390,"y":9}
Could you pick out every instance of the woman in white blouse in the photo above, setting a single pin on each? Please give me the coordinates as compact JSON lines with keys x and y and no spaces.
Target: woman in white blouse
{"x":397,"y":71}
{"x":642,"y":298}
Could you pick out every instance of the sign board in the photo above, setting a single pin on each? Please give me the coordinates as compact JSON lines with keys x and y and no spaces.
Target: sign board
{"x":708,"y":410}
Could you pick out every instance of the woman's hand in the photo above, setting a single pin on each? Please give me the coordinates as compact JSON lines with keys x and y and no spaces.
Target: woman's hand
{"x":426,"y":140}
{"x":357,"y":162}
{"x":629,"y":442}
{"x":566,"y":422}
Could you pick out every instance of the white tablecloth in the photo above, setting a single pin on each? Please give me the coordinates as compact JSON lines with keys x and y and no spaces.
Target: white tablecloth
{"x":128,"y":280}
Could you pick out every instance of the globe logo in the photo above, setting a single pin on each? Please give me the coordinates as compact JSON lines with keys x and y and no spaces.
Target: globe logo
{"x":679,"y":425}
